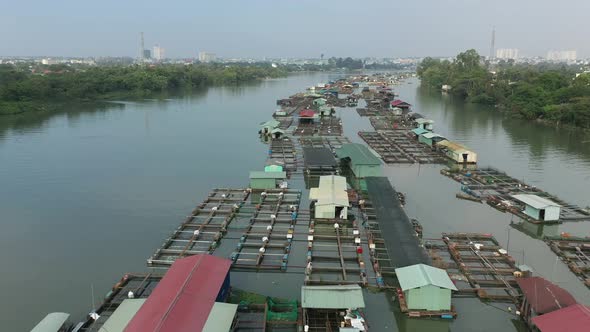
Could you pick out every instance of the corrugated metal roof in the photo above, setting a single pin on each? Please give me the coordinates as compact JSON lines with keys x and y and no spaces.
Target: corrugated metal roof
{"x":52,"y":322}
{"x":420,"y":275}
{"x":270,"y":123}
{"x":332,"y":297}
{"x":453,"y":146}
{"x":273,"y":168}
{"x":431,"y":135}
{"x":575,"y":318}
{"x":221,"y":317}
{"x":184,"y":297}
{"x":419,"y":131}
{"x":423,"y":120}
{"x":358,"y":154}
{"x":267,"y":175}
{"x":121,"y":317}
{"x":535,"y":201}
{"x":543,"y":295}
{"x":331,"y":191}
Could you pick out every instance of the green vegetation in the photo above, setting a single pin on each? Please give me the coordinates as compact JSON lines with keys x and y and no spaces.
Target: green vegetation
{"x":23,"y":89}
{"x":539,"y":92}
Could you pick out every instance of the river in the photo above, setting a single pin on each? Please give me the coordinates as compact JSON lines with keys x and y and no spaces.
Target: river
{"x":88,"y":194}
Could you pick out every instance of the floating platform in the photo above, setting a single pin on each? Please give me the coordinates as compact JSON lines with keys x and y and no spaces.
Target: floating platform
{"x":267,"y":238}
{"x":396,"y":147}
{"x":282,"y":152}
{"x":497,"y":189}
{"x":575,"y":252}
{"x":202,"y":230}
{"x":477,"y":264}
{"x":141,"y":285}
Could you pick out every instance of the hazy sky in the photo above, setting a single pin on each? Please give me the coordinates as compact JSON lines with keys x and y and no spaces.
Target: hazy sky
{"x":292,"y":28}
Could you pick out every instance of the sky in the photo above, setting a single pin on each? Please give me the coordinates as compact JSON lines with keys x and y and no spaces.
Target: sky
{"x":291,"y":28}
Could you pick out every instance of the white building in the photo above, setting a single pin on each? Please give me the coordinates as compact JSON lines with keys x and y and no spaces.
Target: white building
{"x":507,"y":53}
{"x":206,"y":57}
{"x":158,"y":53}
{"x":565,"y":56}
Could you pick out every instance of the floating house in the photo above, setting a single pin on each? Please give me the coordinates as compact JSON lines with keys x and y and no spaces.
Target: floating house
{"x":539,"y":208}
{"x":53,"y":322}
{"x":185,"y":297}
{"x":326,"y":111}
{"x":425,"y":287}
{"x":265,"y":180}
{"x":397,"y":111}
{"x":575,"y":318}
{"x":430,"y":138}
{"x":541,"y":297}
{"x":457,"y":152}
{"x":424,"y":123}
{"x":277,"y":133}
{"x":268,"y":126}
{"x":319,"y":102}
{"x":419,"y":131}
{"x":307,"y":116}
{"x":323,"y":307}
{"x":400,"y":104}
{"x":330,"y":199}
{"x":360,"y":159}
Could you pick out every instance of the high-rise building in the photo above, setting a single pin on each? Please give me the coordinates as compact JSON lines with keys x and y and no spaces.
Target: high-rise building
{"x":147,"y":54}
{"x":507,"y":53}
{"x":158,"y":53}
{"x":565,"y":56}
{"x":206,"y":57}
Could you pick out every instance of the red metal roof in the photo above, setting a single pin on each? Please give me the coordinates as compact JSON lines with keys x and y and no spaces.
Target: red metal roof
{"x":184,"y":297}
{"x":307,"y":114}
{"x":543,"y":295}
{"x":398,"y":102}
{"x":575,"y":318}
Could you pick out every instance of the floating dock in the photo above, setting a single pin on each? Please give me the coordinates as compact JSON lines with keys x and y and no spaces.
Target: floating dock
{"x":202,"y":230}
{"x":575,"y":252}
{"x":497,"y":189}
{"x":396,"y":147}
{"x":477,"y":264}
{"x":267,"y":238}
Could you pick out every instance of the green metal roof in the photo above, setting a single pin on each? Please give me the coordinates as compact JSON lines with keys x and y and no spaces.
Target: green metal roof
{"x":267,"y":175}
{"x":332,"y":297}
{"x":121,"y":317}
{"x":270,"y":123}
{"x":273,"y":168}
{"x":52,"y":322}
{"x":419,"y":131}
{"x":420,"y":275}
{"x":358,"y":154}
{"x":220,"y":317}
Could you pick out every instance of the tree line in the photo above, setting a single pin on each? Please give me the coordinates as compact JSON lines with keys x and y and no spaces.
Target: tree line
{"x":22,"y":89}
{"x":549,"y":92}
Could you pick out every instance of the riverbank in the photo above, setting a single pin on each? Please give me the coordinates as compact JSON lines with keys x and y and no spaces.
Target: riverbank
{"x":25,"y":90}
{"x":551,"y":93}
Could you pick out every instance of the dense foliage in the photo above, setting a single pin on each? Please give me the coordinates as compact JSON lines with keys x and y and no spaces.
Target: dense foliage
{"x":22,"y":89}
{"x":545,"y":91}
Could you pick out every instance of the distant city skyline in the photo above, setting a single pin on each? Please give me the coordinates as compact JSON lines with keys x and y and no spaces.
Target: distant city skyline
{"x":302,"y":29}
